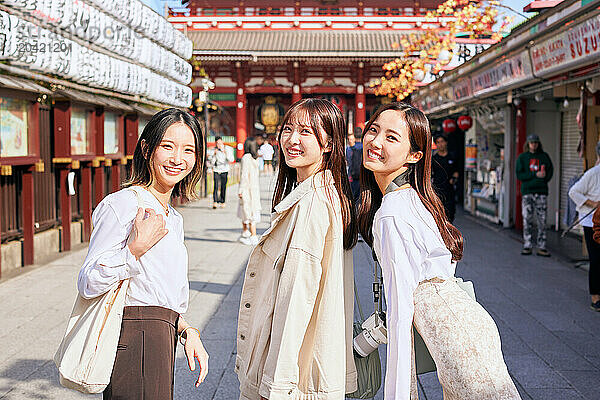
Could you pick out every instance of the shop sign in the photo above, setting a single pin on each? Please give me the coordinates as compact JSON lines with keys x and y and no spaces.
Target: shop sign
{"x":462,"y":89}
{"x":503,"y":74}
{"x":577,"y":45}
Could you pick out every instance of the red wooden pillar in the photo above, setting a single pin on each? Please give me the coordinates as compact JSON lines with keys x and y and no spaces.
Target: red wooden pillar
{"x":99,"y":166}
{"x":360,"y":99}
{"x":115,"y":176}
{"x":28,"y":215}
{"x":62,"y":152}
{"x":240,"y":119}
{"x":86,"y":200}
{"x":65,"y":210}
{"x":131,"y":133}
{"x":297,"y":87}
{"x":521,"y":133}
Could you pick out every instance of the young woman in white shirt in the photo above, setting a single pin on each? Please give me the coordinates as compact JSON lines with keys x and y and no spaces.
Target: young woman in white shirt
{"x":404,"y":221}
{"x":586,"y":196}
{"x":167,"y":161}
{"x":295,"y":319}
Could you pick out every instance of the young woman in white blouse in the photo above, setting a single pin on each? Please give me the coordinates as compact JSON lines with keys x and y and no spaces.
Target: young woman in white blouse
{"x":168,"y":161}
{"x":586,"y":196}
{"x":404,"y":221}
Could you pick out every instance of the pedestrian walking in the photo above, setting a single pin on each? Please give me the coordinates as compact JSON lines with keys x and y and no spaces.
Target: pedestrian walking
{"x":534,"y":170}
{"x":249,"y":193}
{"x":219,"y":162}
{"x":267,"y":151}
{"x":403,"y":219}
{"x":260,"y":140}
{"x":586,"y":196}
{"x":167,"y":161}
{"x":354,"y":161}
{"x":295,"y":321}
{"x":445,"y":175}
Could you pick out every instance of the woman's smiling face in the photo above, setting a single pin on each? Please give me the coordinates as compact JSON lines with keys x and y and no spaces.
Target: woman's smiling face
{"x":386,"y":145}
{"x":301,"y":147}
{"x":175,"y":156}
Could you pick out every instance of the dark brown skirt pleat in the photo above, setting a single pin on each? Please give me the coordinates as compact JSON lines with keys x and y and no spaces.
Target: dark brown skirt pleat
{"x":145,"y":361}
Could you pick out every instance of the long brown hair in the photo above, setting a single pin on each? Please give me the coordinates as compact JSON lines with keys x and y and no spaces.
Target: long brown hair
{"x":322,"y":114}
{"x":420,"y":180}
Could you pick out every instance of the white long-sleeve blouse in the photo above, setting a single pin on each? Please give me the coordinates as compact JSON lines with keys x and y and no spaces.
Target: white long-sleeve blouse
{"x":410,"y":249}
{"x":586,"y":188}
{"x":158,"y":278}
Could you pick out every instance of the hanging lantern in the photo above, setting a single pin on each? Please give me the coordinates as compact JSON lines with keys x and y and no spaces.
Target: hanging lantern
{"x":449,"y":125}
{"x":464,"y":122}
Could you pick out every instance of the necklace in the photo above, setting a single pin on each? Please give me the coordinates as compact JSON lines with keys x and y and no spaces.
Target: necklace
{"x":165,"y":207}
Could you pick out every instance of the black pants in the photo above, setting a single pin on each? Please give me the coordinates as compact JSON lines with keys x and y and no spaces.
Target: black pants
{"x":593,"y":248}
{"x":145,"y":362}
{"x":220,"y":187}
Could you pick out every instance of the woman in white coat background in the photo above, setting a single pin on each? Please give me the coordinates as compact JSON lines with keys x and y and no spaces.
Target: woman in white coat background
{"x":249,"y":193}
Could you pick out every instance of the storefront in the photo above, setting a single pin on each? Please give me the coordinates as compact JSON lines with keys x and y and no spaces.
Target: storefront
{"x":529,"y":83}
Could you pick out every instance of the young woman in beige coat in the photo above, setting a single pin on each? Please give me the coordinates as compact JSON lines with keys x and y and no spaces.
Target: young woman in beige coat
{"x":297,"y":300}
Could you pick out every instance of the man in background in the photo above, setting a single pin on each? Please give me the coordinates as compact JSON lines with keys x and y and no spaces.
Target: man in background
{"x":354,"y":161}
{"x":534,"y":170}
{"x":266,"y":151}
{"x":445,"y":175}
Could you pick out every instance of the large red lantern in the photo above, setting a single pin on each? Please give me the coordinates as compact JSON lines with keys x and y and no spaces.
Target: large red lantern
{"x":465,"y":122}
{"x":449,"y":125}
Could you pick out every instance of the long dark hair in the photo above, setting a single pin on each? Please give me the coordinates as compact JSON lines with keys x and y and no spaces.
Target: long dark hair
{"x":323,"y":114}
{"x":420,"y":180}
{"x":154,"y":131}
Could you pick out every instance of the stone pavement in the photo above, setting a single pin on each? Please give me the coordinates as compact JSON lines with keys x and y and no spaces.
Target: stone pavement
{"x":549,"y":334}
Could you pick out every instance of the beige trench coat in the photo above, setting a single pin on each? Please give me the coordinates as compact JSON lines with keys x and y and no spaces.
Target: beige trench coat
{"x":294,"y":338}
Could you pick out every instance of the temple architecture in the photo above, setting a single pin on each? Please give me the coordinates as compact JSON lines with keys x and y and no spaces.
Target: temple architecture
{"x":262,"y":59}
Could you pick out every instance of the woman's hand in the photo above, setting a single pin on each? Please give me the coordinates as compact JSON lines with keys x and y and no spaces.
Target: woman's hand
{"x":147,"y":231}
{"x":195,"y":349}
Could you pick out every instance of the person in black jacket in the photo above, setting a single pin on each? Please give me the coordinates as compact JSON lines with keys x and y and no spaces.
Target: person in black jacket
{"x":445,"y":175}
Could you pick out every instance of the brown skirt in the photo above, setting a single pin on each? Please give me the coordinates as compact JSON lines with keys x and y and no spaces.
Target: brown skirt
{"x":145,"y":361}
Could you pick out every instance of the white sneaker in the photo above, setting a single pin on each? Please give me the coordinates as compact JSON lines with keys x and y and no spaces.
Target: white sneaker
{"x":246,"y":234}
{"x":246,"y":240}
{"x":254,"y":240}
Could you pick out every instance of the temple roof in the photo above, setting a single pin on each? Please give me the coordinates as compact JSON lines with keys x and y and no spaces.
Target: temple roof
{"x":300,"y":43}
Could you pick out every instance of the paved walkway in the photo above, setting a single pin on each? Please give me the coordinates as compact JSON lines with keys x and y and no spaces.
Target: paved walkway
{"x":550,"y":337}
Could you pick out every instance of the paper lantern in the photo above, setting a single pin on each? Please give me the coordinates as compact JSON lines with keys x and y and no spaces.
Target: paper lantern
{"x":449,"y":125}
{"x":464,"y":122}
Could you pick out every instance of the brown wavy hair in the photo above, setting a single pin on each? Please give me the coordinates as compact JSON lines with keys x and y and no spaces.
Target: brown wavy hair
{"x":420,"y":180}
{"x":322,"y":114}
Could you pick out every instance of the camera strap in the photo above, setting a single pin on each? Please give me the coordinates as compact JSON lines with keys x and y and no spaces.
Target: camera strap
{"x":377,"y":284}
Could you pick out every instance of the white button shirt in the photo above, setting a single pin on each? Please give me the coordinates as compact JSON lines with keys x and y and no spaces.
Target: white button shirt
{"x":158,"y":278}
{"x":586,"y":188}
{"x":410,"y":249}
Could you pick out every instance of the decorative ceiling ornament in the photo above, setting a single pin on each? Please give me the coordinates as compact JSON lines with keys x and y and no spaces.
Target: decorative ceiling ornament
{"x":431,"y":50}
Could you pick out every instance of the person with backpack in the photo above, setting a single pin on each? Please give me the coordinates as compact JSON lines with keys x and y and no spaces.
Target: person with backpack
{"x":354,"y":161}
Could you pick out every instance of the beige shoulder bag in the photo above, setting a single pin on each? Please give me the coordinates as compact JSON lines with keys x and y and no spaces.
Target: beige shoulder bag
{"x":87,"y":352}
